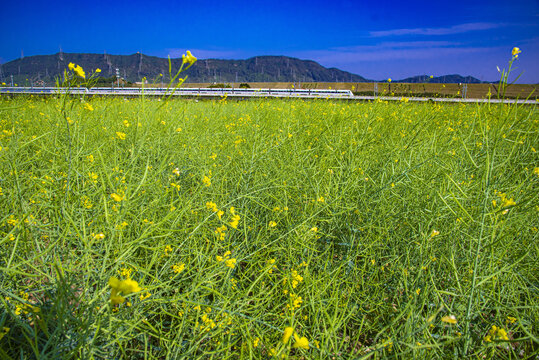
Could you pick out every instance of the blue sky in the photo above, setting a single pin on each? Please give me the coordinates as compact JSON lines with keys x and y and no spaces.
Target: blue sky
{"x":375,"y":39}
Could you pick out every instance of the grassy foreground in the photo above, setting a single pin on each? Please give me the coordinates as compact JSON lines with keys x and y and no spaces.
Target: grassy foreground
{"x":373,"y":230}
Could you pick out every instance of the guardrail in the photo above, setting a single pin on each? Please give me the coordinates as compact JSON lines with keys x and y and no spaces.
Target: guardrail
{"x":240,"y":93}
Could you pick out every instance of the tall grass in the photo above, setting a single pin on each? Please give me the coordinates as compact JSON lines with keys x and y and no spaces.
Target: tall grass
{"x":362,"y":226}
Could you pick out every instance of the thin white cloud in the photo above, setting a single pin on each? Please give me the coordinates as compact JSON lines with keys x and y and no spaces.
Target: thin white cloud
{"x":400,"y":60}
{"x":388,"y":51}
{"x":455,"y":29}
{"x":417,"y":44}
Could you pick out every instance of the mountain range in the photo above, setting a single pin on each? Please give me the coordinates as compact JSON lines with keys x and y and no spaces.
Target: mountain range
{"x":45,"y":68}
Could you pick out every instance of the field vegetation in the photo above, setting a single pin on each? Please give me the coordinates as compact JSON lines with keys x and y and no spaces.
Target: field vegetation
{"x":154,"y":229}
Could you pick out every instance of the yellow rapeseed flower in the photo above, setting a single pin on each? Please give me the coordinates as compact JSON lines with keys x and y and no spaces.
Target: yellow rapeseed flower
{"x":451,"y":319}
{"x":389,"y":80}
{"x":509,"y":202}
{"x":288,"y":331}
{"x":210,"y":205}
{"x":221,"y":230}
{"x":302,"y":343}
{"x":79,"y":71}
{"x":128,"y":286}
{"x":88,"y":107}
{"x":496,"y":333}
{"x":515,"y":52}
{"x":145,"y":296}
{"x":71,"y":66}
{"x":234,"y":221}
{"x":120,"y":135}
{"x":117,"y":197}
{"x":220,"y":214}
{"x":189,"y":58}
{"x":178,"y":268}
{"x":206,"y":181}
{"x":125,"y":287}
{"x":98,"y":70}
{"x":231,"y":263}
{"x":295,"y":302}
{"x":296,"y":278}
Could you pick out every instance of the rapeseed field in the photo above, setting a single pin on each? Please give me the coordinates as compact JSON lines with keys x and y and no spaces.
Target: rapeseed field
{"x":183,"y":229}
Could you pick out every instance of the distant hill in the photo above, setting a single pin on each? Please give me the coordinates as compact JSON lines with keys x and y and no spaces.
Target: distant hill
{"x":136,"y":66}
{"x":446,"y":79}
{"x":46,"y":68}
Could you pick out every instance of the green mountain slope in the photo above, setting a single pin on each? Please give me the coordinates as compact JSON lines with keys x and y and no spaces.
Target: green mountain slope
{"x":45,"y":68}
{"x":445,"y":79}
{"x":136,"y":66}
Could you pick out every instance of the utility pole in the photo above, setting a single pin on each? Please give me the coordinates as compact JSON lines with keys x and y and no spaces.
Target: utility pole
{"x":140,"y":64}
{"x":11,"y":80}
{"x":118,"y":76}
